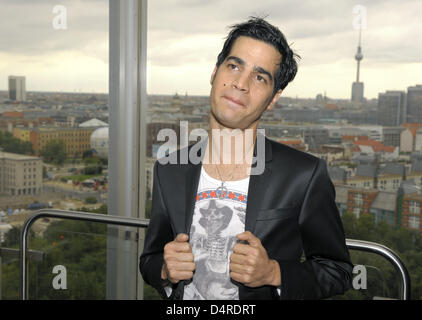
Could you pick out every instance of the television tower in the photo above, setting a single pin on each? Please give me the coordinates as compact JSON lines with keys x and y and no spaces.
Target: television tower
{"x":357,"y":87}
{"x":359,"y":55}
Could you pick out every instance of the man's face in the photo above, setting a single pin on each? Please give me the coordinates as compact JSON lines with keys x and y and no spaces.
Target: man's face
{"x":242,"y":86}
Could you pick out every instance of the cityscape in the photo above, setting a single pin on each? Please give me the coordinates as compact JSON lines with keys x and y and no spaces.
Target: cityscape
{"x":373,"y":148}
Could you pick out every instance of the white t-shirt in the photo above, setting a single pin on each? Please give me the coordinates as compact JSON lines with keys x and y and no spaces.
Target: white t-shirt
{"x":215,"y":224}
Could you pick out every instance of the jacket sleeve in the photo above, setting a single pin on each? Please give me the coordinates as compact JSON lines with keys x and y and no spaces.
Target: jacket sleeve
{"x":159,"y":232}
{"x":327,"y":270}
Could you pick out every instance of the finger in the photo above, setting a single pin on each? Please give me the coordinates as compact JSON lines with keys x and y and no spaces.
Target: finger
{"x":186,"y":275}
{"x":180,"y":247}
{"x":180,"y":257}
{"x":185,"y":257}
{"x":241,"y":269}
{"x":239,"y":277}
{"x":238,"y":258}
{"x":248,"y":236}
{"x":236,"y":276}
{"x":240,"y":248}
{"x":244,"y":278}
{"x":181,"y":266}
{"x":181,"y":237}
{"x":177,"y":276}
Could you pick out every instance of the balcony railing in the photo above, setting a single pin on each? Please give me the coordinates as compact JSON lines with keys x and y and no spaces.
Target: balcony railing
{"x":358,"y":245}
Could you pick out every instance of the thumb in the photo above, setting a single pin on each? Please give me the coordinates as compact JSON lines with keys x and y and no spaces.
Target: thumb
{"x":248,"y":236}
{"x":182,"y":237}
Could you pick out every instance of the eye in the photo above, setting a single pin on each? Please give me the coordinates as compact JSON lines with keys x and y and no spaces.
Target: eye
{"x":260,"y":78}
{"x":232,"y":66}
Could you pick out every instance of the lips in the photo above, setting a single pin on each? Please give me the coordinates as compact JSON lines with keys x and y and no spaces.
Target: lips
{"x":235,"y":101}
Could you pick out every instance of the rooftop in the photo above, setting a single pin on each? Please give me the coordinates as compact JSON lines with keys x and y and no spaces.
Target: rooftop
{"x":15,"y":156}
{"x":385,"y":200}
{"x":93,"y":123}
{"x":376,"y":145}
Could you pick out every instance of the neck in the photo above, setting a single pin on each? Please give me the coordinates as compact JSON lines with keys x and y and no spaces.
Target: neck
{"x":230,"y":146}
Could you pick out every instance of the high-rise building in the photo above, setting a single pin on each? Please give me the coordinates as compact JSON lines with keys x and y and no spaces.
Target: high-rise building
{"x":391,"y":108}
{"x":414,"y":104}
{"x":391,"y":136}
{"x":357,"y":87}
{"x":17,"y":88}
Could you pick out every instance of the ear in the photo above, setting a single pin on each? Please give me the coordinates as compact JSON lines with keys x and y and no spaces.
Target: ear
{"x":213,"y":75}
{"x":274,"y":100}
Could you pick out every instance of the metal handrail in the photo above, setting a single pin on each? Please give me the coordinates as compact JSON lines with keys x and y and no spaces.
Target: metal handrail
{"x":387,"y":253}
{"x":143,"y":223}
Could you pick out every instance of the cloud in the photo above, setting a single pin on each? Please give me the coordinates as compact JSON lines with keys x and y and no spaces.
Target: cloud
{"x":316,"y":28}
{"x":27,"y":26}
{"x":188,"y":35}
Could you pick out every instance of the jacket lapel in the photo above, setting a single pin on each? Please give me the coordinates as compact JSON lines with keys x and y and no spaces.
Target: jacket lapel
{"x":192,"y":180}
{"x":192,"y":174}
{"x":257,"y":189}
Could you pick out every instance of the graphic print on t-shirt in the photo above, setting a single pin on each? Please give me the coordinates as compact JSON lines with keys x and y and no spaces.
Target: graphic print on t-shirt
{"x":215,"y":224}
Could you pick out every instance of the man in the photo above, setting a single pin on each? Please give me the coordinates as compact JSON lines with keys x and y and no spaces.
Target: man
{"x":218,"y":231}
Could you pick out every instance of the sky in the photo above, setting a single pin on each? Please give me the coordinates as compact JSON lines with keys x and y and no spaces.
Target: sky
{"x":185,"y":37}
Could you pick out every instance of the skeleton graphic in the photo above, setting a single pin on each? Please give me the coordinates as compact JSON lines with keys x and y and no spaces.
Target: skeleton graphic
{"x":212,"y":251}
{"x":214,"y":220}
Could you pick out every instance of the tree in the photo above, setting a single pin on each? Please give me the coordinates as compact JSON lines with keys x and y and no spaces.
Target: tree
{"x":91,"y":161}
{"x":406,"y":243}
{"x":54,"y":152}
{"x":9,"y":143}
{"x":12,"y":237}
{"x":90,"y":200}
{"x":87,"y":154}
{"x":92,"y":170}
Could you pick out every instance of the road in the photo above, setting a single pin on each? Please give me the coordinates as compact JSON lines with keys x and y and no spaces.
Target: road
{"x":74,"y":192}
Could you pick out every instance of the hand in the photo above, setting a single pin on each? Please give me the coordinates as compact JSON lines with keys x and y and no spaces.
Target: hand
{"x":178,"y":260}
{"x":250,"y":265}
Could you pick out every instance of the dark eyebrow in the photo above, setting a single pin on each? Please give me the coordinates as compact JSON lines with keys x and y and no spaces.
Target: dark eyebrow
{"x":237,"y":60}
{"x":256,"y":69}
{"x":263,"y":71}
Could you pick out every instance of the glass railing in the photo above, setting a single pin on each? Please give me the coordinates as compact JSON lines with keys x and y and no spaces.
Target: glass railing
{"x":66,"y":258}
{"x":76,"y":263}
{"x":378,"y":273}
{"x":79,"y":260}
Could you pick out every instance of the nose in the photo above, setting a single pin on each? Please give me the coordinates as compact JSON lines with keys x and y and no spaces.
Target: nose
{"x":241,"y":82}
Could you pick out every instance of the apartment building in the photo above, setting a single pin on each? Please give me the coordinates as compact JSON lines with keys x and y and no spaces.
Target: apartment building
{"x":20,"y":174}
{"x":76,"y":140}
{"x":411,"y":211}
